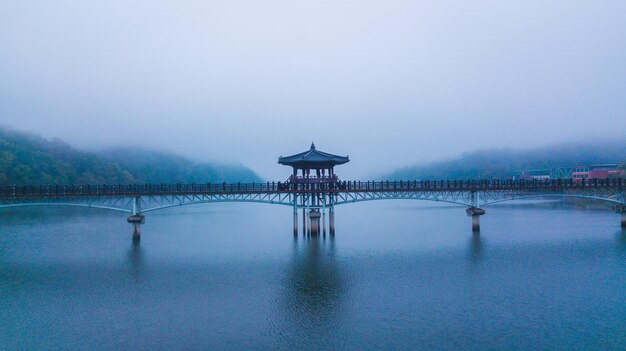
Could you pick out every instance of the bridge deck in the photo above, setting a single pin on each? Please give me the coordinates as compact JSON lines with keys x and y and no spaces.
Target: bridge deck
{"x":38,"y":191}
{"x":315,"y":197}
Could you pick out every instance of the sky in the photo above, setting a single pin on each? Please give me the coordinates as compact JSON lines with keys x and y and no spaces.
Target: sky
{"x":389,"y":83}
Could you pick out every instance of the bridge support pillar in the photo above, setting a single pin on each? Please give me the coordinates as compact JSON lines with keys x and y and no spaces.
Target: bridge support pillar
{"x":475,"y":213}
{"x":314,"y":217}
{"x":295,"y":222}
{"x":324,"y":222}
{"x":136,"y":220}
{"x":622,"y":210}
{"x":331,"y":221}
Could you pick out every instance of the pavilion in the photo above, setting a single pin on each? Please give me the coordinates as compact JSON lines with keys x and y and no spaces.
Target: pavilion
{"x":314,"y":165}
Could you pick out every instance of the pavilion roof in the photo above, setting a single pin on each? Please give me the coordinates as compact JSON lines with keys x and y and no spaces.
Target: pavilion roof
{"x":313,"y":157}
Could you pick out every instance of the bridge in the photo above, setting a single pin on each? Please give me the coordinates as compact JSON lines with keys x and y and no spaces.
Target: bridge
{"x":318,"y":199}
{"x":314,"y":188}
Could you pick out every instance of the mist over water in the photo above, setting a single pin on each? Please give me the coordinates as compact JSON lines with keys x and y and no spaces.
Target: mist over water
{"x":388,"y":83}
{"x":397,"y":275}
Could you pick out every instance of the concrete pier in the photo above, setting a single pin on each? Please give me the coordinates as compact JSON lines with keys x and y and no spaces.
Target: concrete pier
{"x":314,"y":216}
{"x":475,"y":213}
{"x":475,"y":223}
{"x":622,"y":210}
{"x":136,"y":220}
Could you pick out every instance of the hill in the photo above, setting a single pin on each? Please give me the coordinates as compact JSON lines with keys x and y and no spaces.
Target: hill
{"x":27,"y":158}
{"x":149,"y":166}
{"x":499,"y":163}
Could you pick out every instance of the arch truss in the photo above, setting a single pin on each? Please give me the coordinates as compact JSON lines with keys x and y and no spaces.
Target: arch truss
{"x":131,"y":203}
{"x":315,"y":198}
{"x":147,"y":203}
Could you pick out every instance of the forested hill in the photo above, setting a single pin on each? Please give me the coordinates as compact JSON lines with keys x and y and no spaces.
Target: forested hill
{"x":155,"y":167}
{"x":499,"y":163}
{"x":30,"y":159}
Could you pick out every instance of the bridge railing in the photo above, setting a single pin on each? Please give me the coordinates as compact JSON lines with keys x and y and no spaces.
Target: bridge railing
{"x":273,"y":187}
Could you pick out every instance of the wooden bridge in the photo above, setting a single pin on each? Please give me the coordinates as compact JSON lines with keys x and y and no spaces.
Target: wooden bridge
{"x":314,"y":198}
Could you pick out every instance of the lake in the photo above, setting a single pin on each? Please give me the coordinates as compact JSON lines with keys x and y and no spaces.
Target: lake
{"x":397,"y":275}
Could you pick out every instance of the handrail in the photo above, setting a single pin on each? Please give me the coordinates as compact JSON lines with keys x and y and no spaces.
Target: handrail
{"x":300,"y":186}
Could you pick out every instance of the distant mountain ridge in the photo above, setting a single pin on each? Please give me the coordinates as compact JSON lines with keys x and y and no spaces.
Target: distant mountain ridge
{"x":27,"y":158}
{"x":150,"y":166}
{"x":499,"y":163}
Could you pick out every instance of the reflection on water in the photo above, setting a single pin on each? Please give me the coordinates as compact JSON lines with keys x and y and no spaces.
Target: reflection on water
{"x":135,"y":261}
{"x":475,"y":248}
{"x":312,"y":297}
{"x":315,"y":284}
{"x":621,"y":238}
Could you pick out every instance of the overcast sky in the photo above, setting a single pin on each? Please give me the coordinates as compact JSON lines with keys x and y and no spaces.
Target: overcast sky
{"x":389,"y":83}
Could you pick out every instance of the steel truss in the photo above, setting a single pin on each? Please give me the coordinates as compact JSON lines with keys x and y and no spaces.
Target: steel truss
{"x":312,"y":199}
{"x":611,"y":195}
{"x":147,"y":203}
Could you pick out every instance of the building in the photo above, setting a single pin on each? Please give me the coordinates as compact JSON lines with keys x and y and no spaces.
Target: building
{"x":599,"y":171}
{"x":540,"y":174}
{"x":313,"y":169}
{"x":313,"y":166}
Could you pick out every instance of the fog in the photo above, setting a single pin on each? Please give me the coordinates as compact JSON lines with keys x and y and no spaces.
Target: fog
{"x":388,"y":83}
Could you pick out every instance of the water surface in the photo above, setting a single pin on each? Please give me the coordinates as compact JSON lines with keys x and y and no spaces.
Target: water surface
{"x":397,"y":275}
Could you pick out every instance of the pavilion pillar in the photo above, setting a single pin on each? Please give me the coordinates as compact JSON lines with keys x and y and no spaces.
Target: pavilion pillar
{"x":331,"y":220}
{"x":304,"y":231}
{"x":308,"y":223}
{"x":295,"y":220}
{"x":324,"y":221}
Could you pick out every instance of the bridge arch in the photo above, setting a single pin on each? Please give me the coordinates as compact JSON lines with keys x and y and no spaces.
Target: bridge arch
{"x":344,"y":202}
{"x":68,"y":204}
{"x":560,"y":196}
{"x":149,"y":209}
{"x":157,"y":208}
